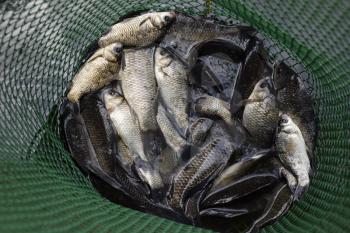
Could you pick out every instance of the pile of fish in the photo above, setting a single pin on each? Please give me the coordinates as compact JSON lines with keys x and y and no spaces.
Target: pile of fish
{"x":187,"y":119}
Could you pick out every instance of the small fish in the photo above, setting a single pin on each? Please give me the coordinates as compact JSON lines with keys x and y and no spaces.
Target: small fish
{"x":171,"y":135}
{"x":294,"y":100}
{"x":199,"y":130}
{"x":124,"y":122}
{"x":101,"y":69}
{"x":239,"y":188}
{"x":212,"y":106}
{"x":291,"y":149}
{"x":100,"y":132}
{"x":201,"y":168}
{"x":260,"y":114}
{"x":279,"y":204}
{"x":139,"y":85}
{"x":142,"y":30}
{"x":238,"y":170}
{"x":171,"y":78}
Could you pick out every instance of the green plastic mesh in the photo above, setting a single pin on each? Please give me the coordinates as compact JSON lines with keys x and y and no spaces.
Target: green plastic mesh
{"x":43,"y":44}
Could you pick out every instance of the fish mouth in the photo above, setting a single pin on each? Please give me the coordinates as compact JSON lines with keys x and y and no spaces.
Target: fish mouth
{"x":271,"y":86}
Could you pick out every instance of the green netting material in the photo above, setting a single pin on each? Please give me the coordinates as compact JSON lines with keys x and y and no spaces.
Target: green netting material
{"x":43,"y":44}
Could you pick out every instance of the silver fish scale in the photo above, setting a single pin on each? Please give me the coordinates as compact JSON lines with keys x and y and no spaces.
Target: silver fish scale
{"x":128,"y":33}
{"x":127,"y":127}
{"x":173,"y":88}
{"x":139,"y":86}
{"x":260,"y":119}
{"x":212,"y":152}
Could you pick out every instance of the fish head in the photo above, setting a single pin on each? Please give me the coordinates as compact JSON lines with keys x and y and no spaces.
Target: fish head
{"x":112,"y":99}
{"x":162,"y":19}
{"x":113,"y":52}
{"x":262,"y":89}
{"x":286,"y":124}
{"x":163,"y":57}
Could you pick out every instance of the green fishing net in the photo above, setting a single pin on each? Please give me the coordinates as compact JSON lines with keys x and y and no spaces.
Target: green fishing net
{"x":44,"y":43}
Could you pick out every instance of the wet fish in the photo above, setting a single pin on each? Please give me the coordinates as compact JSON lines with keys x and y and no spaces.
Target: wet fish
{"x":77,"y":137}
{"x":101,"y":133}
{"x":171,"y":78}
{"x":291,"y":149}
{"x":98,"y":71}
{"x":171,"y":135}
{"x":294,"y":100}
{"x":201,"y":168}
{"x":260,"y":114}
{"x":188,"y":33}
{"x":138,"y":31}
{"x":139,"y":85}
{"x":199,"y":130}
{"x":124,"y":122}
{"x":239,"y":188}
{"x":212,"y":106}
{"x":238,"y":169}
{"x":279,"y":204}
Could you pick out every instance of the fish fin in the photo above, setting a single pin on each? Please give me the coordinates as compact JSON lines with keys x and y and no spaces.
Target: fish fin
{"x":223,"y":212}
{"x":98,"y":53}
{"x":141,"y":24}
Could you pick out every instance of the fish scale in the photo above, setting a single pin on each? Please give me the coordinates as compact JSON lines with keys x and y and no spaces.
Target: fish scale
{"x":136,"y":31}
{"x":207,"y":161}
{"x":171,"y":78}
{"x":139,"y":85}
{"x":260,"y":118}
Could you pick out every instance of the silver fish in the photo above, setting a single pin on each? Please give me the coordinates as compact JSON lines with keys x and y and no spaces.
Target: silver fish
{"x":260,"y":114}
{"x":98,"y":71}
{"x":172,"y":81}
{"x":124,"y":122}
{"x":210,"y":105}
{"x":171,"y":135}
{"x":138,"y":31}
{"x":199,"y":130}
{"x":291,"y":149}
{"x":203,"y":166}
{"x":139,"y":85}
{"x":100,"y":131}
{"x":294,"y":99}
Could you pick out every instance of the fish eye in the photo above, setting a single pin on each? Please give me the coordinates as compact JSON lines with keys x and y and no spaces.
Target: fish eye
{"x":167,"y":18}
{"x":117,"y":49}
{"x":162,"y":52}
{"x":173,"y":44}
{"x":263,"y":85}
{"x":284,"y":120}
{"x":112,"y":92}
